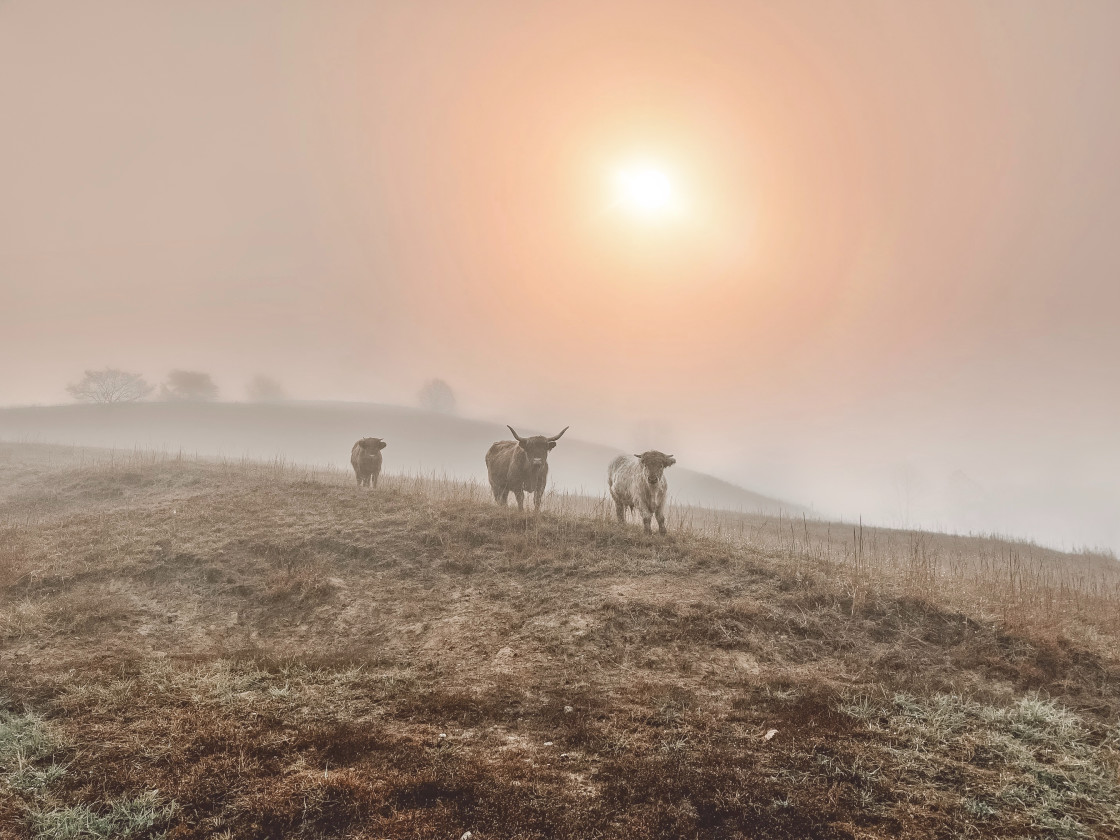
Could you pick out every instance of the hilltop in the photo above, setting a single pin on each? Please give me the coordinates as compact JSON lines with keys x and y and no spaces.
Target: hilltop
{"x":251,"y":650}
{"x":420,"y":442}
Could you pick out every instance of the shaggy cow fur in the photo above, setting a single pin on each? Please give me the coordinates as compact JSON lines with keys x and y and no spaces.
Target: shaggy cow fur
{"x":365,"y":458}
{"x":520,"y":466}
{"x":639,"y":483}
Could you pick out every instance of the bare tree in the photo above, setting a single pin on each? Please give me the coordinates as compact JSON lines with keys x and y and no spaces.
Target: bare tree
{"x":263,"y":388}
{"x":110,"y":385}
{"x":436,"y":395}
{"x":188,"y":386}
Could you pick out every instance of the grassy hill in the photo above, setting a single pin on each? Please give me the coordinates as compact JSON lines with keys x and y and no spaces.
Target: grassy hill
{"x":322,"y":434}
{"x":209,"y":649}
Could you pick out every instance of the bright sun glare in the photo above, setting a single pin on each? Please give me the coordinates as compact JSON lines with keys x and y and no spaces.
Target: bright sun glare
{"x":644,"y":191}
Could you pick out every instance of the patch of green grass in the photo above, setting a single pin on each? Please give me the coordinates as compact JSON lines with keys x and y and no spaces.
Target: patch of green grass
{"x":121,"y":820}
{"x":1053,"y":774}
{"x":862,"y":709}
{"x":978,"y":808}
{"x":23,"y":737}
{"x":26,"y":739}
{"x":34,"y":778}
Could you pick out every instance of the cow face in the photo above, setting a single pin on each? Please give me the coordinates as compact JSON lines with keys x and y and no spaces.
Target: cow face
{"x":537,"y":447}
{"x":372,"y":445}
{"x":654,"y":464}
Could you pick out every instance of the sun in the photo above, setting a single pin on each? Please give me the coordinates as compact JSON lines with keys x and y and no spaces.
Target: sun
{"x":644,"y":191}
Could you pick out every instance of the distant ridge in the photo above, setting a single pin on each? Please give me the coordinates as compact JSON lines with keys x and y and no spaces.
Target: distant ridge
{"x":323,"y":432}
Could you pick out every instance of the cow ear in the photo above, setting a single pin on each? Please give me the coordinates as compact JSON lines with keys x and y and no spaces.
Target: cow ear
{"x":671,"y":461}
{"x":381,"y":444}
{"x":636,"y":455}
{"x":552,"y":444}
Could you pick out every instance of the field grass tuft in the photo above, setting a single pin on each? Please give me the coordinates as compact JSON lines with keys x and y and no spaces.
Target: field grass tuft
{"x":118,"y":821}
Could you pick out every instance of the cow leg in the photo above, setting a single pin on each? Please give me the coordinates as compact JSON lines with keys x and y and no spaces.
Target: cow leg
{"x":619,"y":509}
{"x":645,"y":522}
{"x":520,"y":495}
{"x":373,"y":480}
{"x":537,"y":494}
{"x":358,"y":477}
{"x":660,"y":522}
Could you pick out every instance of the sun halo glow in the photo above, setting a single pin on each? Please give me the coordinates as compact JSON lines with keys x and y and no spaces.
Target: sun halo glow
{"x":644,"y":191}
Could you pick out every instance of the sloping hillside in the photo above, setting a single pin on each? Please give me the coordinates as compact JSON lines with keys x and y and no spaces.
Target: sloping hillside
{"x":251,"y":651}
{"x":322,"y":434}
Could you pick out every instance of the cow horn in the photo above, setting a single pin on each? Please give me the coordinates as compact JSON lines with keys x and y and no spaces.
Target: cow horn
{"x":557,"y":437}
{"x":515,"y":434}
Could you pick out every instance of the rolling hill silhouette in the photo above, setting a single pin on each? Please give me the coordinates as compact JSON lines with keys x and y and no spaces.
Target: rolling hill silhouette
{"x":322,"y":433}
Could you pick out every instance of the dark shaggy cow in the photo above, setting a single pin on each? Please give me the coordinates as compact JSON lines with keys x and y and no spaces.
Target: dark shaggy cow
{"x":639,"y":482}
{"x":365,"y":458}
{"x":520,"y":466}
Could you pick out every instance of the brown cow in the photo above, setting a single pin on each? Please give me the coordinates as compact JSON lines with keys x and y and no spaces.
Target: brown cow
{"x":365,"y":458}
{"x":520,"y":466}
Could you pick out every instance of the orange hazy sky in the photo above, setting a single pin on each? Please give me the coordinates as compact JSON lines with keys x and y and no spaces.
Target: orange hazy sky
{"x":894,"y":259}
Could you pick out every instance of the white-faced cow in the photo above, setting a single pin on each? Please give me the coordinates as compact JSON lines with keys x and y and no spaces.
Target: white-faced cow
{"x":520,"y":466}
{"x":639,"y":482}
{"x":365,"y":458}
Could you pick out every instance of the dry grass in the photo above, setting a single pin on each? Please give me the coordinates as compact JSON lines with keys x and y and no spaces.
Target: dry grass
{"x":205,"y":649}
